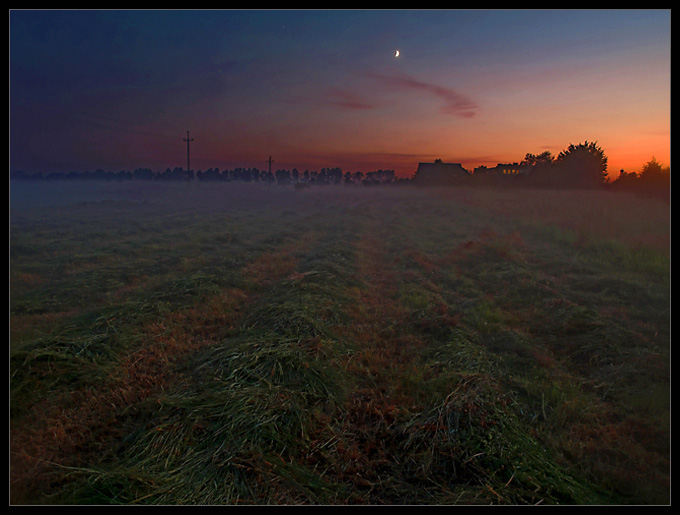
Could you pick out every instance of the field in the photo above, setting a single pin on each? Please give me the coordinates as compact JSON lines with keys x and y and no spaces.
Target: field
{"x":203,"y":343}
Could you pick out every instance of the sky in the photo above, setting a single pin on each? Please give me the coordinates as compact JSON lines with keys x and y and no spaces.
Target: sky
{"x":119,"y":89}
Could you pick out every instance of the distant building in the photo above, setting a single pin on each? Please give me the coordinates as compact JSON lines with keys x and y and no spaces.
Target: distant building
{"x":501,"y":169}
{"x":440,"y":174}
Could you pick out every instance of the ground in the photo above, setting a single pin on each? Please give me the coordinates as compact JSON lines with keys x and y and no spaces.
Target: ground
{"x":227,"y":343}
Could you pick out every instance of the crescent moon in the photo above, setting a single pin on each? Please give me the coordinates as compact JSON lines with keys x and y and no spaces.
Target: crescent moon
{"x":396,"y":53}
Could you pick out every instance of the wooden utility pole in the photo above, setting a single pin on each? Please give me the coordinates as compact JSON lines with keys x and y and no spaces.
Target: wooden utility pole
{"x":188,"y":140}
{"x":270,"y":164}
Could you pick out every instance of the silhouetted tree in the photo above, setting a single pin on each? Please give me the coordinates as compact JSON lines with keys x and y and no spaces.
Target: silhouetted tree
{"x":283,"y":176}
{"x":211,"y":174}
{"x":542,"y":159}
{"x":626,"y":179}
{"x":142,"y":174}
{"x":654,"y":174}
{"x":582,"y":165}
{"x":539,"y":169}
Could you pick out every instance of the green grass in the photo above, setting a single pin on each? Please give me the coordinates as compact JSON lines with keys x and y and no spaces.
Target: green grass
{"x":246,"y":344}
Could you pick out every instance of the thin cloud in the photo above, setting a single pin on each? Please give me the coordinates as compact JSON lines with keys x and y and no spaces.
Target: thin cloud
{"x":347,"y":99}
{"x":455,"y":103}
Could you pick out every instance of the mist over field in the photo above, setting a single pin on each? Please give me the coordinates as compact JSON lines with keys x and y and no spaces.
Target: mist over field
{"x":224,"y":343}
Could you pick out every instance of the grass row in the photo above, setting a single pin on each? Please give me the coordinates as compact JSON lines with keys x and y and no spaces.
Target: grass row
{"x":371,"y":347}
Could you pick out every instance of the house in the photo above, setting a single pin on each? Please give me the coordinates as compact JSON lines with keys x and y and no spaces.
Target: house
{"x":501,"y":169}
{"x":440,"y":174}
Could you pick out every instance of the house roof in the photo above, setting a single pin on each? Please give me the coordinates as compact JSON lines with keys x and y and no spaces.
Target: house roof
{"x":439,"y":172}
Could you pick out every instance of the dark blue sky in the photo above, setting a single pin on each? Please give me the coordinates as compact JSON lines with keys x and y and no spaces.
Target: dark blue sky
{"x":119,"y":89}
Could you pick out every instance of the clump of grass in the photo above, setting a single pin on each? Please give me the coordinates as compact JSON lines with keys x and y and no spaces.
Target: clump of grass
{"x":477,"y":442}
{"x":305,"y":307}
{"x":249,"y":411}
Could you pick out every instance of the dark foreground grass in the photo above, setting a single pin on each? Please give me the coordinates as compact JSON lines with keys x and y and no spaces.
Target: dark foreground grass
{"x":246,"y":344}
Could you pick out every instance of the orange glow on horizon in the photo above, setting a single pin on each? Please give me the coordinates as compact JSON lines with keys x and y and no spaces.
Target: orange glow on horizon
{"x":600,"y":76}
{"x":630,"y":158}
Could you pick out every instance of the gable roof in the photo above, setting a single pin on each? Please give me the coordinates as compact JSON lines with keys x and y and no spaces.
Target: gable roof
{"x":439,"y":173}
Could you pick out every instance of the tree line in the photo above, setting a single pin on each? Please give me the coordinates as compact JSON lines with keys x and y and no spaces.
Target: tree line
{"x":585,"y":165}
{"x":578,"y":166}
{"x":248,"y":175}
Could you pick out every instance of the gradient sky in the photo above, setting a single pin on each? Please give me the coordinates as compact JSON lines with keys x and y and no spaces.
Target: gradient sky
{"x":118,"y":90}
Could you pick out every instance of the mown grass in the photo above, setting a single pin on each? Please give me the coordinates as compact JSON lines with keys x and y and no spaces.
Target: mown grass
{"x":254,"y":345}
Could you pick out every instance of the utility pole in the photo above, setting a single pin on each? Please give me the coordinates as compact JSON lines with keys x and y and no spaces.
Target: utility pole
{"x":188,"y":140}
{"x":270,"y":164}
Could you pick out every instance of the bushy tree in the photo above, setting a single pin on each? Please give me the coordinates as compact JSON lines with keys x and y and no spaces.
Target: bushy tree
{"x":626,"y":179}
{"x":543,"y":159}
{"x":654,"y":173}
{"x":540,"y":168}
{"x":582,"y":165}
